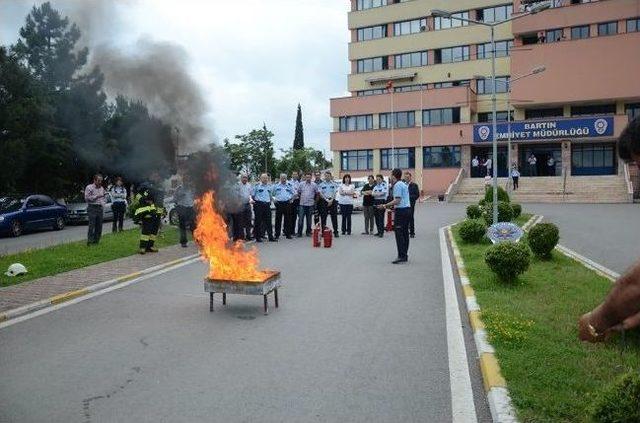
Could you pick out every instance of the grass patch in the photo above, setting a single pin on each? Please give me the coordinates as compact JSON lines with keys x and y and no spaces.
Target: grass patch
{"x":551,"y":375}
{"x":74,"y":255}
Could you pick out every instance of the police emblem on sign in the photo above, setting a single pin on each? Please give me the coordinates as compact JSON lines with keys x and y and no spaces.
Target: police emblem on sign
{"x":600,"y":125}
{"x":483,"y":132}
{"x":504,"y":231}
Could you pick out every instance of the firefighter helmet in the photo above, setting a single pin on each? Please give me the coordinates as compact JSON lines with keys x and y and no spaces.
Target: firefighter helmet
{"x":16,"y":269}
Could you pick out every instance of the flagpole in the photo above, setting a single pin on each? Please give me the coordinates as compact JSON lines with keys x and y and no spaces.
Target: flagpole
{"x":393,"y":124}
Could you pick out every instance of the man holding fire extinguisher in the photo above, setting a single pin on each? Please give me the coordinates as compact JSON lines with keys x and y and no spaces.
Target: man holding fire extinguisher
{"x":327,"y":204}
{"x":402,"y":208}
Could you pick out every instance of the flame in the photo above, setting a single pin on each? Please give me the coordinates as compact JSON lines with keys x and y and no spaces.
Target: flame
{"x":227,"y":260}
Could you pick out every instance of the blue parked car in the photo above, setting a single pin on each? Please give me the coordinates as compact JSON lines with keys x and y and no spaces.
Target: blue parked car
{"x":18,"y":214}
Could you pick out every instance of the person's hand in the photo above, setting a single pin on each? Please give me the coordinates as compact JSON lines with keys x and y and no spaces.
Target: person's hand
{"x":584,"y":333}
{"x":381,"y":207}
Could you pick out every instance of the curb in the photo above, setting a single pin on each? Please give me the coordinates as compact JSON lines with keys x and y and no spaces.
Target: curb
{"x":67,"y":296}
{"x":495,"y":386}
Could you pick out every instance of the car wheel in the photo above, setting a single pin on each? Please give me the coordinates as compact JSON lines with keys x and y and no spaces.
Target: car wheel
{"x":173,"y":217}
{"x":16,"y":229}
{"x":58,"y":225}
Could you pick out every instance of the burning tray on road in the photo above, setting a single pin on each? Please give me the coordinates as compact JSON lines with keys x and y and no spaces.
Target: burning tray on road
{"x":270,"y":283}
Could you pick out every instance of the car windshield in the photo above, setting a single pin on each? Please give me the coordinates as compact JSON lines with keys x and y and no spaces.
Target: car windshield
{"x":9,"y":204}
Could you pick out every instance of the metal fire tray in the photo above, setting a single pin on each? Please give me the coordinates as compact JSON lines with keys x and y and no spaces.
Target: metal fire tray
{"x":271,"y":283}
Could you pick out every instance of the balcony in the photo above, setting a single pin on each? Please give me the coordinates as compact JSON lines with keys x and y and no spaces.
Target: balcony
{"x":575,"y":15}
{"x":431,"y":99}
{"x":593,"y":69}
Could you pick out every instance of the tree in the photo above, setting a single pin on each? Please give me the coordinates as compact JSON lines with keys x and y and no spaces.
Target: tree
{"x":298,"y":139}
{"x":305,"y":160}
{"x":253,"y":152}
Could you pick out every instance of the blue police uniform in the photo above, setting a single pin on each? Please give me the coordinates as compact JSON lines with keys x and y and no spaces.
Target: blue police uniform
{"x":283,"y":197}
{"x":379,"y":193}
{"x":328,"y":191}
{"x":295,"y":184}
{"x":401,"y":219}
{"x":262,"y":210}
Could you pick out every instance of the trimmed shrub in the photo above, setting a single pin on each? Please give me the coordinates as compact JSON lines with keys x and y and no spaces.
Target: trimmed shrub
{"x":619,"y":402}
{"x":542,"y":239}
{"x":517,"y":210}
{"x":508,"y":260}
{"x":473,"y":211}
{"x":502,"y":195}
{"x":505,"y":212}
{"x":482,"y":202}
{"x":472,"y":231}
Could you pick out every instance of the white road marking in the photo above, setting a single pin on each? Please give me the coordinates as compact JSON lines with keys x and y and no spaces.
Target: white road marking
{"x":462,"y":406}
{"x":93,"y":294}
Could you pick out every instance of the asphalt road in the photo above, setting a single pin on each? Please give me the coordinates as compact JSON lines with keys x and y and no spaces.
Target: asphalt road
{"x":47,"y":238}
{"x":605,"y":233}
{"x":355,"y":339}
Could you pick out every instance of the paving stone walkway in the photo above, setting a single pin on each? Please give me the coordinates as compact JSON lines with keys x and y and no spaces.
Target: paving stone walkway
{"x":40,"y":289}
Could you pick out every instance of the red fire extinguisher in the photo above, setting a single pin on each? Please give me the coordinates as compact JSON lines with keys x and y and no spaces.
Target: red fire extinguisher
{"x":327,"y":237}
{"x":389,"y":227}
{"x":316,"y":236}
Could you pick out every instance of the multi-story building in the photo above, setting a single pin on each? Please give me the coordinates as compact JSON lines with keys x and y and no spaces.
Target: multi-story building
{"x":420,"y":87}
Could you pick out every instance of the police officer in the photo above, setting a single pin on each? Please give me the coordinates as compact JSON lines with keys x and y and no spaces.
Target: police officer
{"x":402,"y":209}
{"x":327,"y":204}
{"x":283,"y":197}
{"x":379,"y":193}
{"x":295,"y":184}
{"x":262,"y":209}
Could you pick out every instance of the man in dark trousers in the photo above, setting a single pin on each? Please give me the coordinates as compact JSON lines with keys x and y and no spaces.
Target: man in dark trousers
{"x":262,"y":209}
{"x":183,"y":198}
{"x":414,"y":194}
{"x":402,"y":209}
{"x":94,"y":195}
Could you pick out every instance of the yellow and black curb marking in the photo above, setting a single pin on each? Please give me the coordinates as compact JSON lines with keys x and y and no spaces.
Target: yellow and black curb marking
{"x":494,"y":384}
{"x":67,"y":296}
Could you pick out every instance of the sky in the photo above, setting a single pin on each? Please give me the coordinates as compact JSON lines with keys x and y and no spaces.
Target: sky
{"x":255,"y":60}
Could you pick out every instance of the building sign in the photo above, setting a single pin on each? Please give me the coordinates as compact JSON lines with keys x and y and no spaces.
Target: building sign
{"x":547,"y":129}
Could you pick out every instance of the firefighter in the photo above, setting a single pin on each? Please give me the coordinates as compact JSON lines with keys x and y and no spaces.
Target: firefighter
{"x":148,"y":217}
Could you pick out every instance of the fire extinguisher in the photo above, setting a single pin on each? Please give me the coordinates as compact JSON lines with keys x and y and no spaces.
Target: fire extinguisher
{"x":316,"y":236}
{"x":389,"y":227}
{"x":327,"y":237}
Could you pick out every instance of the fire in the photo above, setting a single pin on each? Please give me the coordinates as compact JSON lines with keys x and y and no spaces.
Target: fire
{"x":227,"y":260}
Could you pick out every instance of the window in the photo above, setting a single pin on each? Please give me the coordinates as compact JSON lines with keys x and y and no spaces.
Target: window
{"x":449,"y":84}
{"x":402,"y":120}
{"x":447,"y":156}
{"x":632,"y":110}
{"x":633,"y":25}
{"x":553,"y":35}
{"x":446,"y":23}
{"x":609,"y":28}
{"x":502,"y":85}
{"x":45,"y":201}
{"x":543,"y":113}
{"x":451,"y":54}
{"x":495,"y":14}
{"x":405,"y":158}
{"x":373,"y":64}
{"x":409,"y":27}
{"x":596,"y":109}
{"x":579,"y":32}
{"x":356,"y":160}
{"x":372,"y":32}
{"x":502,"y":49}
{"x":433,"y":117}
{"x":407,"y":88}
{"x":488,"y":116}
{"x":409,"y":60}
{"x":593,"y":159}
{"x":370,"y":92}
{"x":356,"y":123}
{"x":370,"y":4}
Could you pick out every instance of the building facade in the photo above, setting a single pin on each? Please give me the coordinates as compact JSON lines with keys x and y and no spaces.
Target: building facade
{"x":421,"y":88}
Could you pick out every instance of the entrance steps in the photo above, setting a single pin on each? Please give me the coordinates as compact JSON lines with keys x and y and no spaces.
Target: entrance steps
{"x":579,"y":189}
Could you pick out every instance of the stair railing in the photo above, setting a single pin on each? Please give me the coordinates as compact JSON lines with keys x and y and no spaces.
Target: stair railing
{"x":455,"y":185}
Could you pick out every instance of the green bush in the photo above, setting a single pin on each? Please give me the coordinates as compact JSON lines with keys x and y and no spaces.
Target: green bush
{"x":517,"y":210}
{"x":542,"y":239}
{"x":619,"y":402}
{"x":502,"y":195}
{"x":505,"y":212}
{"x":472,"y":231}
{"x":508,"y":260}
{"x":482,"y":202}
{"x":473,"y":211}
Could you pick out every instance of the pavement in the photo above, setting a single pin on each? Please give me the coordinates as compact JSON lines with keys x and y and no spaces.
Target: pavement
{"x":355,"y":339}
{"x":605,"y":233}
{"x":48,"y":238}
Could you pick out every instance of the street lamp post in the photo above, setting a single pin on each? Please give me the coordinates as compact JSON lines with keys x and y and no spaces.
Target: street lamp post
{"x":446,"y":14}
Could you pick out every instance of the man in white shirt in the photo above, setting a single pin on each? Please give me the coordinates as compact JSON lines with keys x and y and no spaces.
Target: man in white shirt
{"x":533,"y":165}
{"x":475,"y":163}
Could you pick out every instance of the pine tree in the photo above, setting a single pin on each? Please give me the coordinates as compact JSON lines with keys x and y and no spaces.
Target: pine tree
{"x":298,"y":139}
